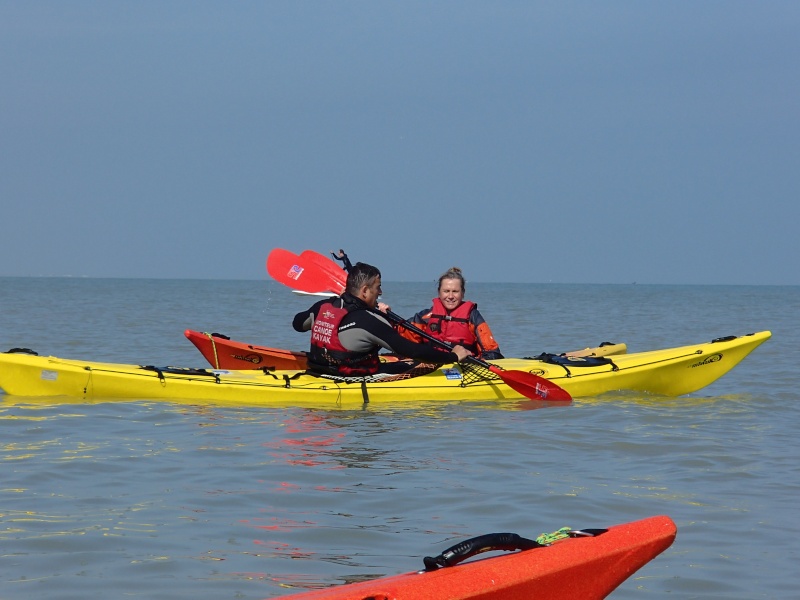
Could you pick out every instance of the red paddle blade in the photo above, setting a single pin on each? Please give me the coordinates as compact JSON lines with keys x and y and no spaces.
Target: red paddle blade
{"x":299,"y":274}
{"x":532,"y":386}
{"x":334,"y":271}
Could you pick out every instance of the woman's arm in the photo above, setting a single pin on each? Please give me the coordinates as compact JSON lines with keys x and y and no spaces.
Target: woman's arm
{"x":487,"y":345}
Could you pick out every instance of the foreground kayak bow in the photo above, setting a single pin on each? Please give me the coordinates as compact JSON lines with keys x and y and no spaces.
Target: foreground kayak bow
{"x":589,"y":565}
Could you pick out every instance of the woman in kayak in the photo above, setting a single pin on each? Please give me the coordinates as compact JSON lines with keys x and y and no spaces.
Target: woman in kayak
{"x":348,"y":331}
{"x":455,"y":320}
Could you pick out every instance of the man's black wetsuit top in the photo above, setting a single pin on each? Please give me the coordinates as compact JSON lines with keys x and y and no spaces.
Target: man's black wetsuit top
{"x":364,"y":329}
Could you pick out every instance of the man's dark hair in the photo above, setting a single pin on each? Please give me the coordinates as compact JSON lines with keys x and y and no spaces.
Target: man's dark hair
{"x":360,"y":275}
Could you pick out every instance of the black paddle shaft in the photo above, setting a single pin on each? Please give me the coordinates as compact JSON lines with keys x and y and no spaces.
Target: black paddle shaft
{"x":401,"y":321}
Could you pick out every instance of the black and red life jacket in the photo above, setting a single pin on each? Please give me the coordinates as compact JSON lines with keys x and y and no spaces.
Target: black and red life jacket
{"x":453,"y":327}
{"x":327,"y":354}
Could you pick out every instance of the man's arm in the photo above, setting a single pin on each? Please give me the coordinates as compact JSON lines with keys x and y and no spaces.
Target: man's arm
{"x":370,"y":329}
{"x":304,"y":320}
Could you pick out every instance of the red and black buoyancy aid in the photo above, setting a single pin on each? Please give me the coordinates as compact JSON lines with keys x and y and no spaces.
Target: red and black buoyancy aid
{"x":327,"y":354}
{"x":454,"y":327}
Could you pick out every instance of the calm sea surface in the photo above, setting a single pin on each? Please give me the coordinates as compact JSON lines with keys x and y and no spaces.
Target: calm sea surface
{"x":169,"y":501}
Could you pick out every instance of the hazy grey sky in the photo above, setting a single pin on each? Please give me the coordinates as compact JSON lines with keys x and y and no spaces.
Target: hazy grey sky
{"x":585,"y":142}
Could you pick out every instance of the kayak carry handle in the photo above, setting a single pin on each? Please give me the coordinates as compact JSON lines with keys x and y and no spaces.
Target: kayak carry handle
{"x":483,"y":543}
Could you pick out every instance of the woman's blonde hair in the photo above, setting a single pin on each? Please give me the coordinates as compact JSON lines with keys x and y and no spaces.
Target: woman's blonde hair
{"x":453,"y":273}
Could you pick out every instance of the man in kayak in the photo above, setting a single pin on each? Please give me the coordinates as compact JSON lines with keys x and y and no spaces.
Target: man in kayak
{"x":348,"y":331}
{"x":455,"y":320}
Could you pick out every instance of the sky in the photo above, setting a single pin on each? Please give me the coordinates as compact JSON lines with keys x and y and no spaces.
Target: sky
{"x":534,"y":142}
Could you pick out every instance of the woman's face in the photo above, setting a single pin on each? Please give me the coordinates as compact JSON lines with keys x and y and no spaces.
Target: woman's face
{"x":450,"y":293}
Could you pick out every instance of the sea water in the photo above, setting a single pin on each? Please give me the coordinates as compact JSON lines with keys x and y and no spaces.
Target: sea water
{"x":160,"y":500}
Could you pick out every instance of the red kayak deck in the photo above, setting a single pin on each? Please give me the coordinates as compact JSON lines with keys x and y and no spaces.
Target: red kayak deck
{"x":584,"y":567}
{"x":223,"y":353}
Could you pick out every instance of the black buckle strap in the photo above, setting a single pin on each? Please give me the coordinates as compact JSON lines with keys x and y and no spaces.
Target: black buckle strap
{"x":180,"y":371}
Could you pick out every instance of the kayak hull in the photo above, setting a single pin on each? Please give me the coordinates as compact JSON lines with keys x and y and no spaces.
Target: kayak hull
{"x":587,"y":568}
{"x":224,"y":353}
{"x":221,"y":352}
{"x":671,"y":372}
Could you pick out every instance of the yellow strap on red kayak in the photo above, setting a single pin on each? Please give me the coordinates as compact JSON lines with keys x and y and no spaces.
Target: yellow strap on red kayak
{"x":214,"y":346}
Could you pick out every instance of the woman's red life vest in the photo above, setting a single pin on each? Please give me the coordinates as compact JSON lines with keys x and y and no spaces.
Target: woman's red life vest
{"x":327,"y":354}
{"x":453,"y":327}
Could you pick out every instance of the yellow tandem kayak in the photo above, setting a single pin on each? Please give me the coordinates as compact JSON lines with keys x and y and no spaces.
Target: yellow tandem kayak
{"x":670,"y":372}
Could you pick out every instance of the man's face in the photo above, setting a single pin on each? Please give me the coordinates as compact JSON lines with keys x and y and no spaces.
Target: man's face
{"x":371,"y":292}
